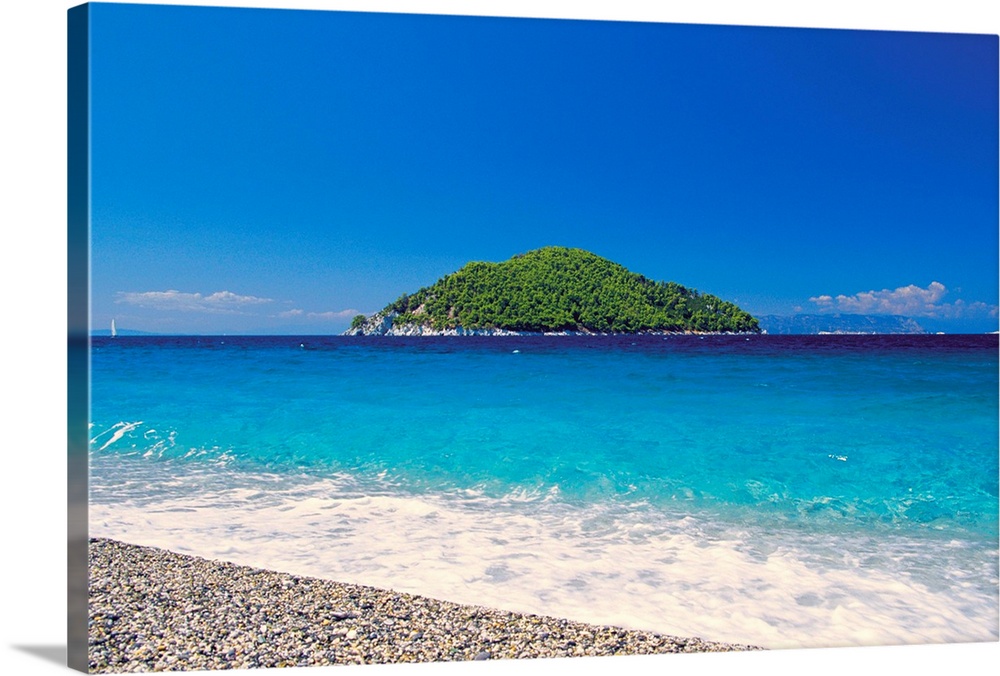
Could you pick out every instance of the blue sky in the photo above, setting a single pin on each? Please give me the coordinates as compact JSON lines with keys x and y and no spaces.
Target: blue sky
{"x":271,"y":171}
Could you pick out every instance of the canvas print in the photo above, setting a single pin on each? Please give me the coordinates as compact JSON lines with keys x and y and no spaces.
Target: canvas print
{"x":425,"y":338}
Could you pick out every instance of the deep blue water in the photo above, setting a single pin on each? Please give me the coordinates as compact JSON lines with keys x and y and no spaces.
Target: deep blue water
{"x":840,"y":438}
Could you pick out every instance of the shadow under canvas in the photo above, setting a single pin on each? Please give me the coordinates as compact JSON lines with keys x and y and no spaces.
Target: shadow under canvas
{"x":50,"y":653}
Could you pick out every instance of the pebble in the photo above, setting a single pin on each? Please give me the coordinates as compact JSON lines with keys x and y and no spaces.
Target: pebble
{"x":152,"y":609}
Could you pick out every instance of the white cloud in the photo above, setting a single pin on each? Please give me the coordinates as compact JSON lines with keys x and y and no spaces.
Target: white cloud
{"x":219,"y":302}
{"x":291,"y":313}
{"x":911,"y":301}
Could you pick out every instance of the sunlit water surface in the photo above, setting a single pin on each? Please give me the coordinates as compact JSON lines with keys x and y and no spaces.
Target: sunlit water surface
{"x":777,"y":490}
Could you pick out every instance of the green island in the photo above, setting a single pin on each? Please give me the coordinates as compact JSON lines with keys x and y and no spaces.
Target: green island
{"x":553,"y":290}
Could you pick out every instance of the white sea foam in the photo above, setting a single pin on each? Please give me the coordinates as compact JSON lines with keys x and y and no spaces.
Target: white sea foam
{"x":636,"y":567}
{"x":119,"y":430}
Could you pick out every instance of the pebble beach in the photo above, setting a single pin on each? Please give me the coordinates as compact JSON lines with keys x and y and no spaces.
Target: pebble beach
{"x":155,"y":610}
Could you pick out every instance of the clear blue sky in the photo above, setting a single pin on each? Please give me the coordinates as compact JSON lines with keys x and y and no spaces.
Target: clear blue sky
{"x":274,"y":171}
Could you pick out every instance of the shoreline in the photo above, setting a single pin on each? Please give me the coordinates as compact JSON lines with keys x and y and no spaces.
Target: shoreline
{"x":381,"y":324}
{"x":413,"y":331}
{"x":210,"y":614}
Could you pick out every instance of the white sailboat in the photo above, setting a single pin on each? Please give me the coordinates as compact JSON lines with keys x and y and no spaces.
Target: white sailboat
{"x":114,"y":331}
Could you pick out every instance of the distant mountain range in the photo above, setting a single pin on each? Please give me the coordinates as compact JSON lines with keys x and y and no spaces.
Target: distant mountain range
{"x":771,"y":324}
{"x":839,"y":323}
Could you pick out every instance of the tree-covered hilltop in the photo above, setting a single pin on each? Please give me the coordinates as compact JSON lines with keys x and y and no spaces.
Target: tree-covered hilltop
{"x":556,"y":289}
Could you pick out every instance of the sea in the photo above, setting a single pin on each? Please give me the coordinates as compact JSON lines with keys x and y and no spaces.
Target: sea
{"x":781,"y":491}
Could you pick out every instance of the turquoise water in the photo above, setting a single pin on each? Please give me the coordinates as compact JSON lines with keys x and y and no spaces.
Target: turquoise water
{"x":800,"y":479}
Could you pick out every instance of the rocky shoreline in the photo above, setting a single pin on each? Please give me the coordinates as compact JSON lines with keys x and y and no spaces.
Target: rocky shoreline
{"x":152,"y":609}
{"x":381,"y":324}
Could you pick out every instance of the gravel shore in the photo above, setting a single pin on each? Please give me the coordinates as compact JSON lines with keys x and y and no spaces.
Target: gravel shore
{"x":152,"y":609}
